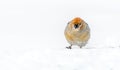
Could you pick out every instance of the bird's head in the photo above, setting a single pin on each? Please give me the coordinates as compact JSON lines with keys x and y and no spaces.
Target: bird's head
{"x":77,"y":24}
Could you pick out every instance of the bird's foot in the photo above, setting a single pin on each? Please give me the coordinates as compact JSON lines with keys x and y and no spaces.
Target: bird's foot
{"x":80,"y":47}
{"x":69,"y":47}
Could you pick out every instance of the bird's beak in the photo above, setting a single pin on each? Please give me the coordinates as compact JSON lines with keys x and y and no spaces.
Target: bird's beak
{"x":76,"y":26}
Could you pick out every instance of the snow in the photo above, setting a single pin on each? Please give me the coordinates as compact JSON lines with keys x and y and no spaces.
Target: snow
{"x":32,"y":35}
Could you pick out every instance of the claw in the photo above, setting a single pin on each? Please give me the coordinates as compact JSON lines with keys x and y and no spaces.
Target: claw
{"x":70,"y":47}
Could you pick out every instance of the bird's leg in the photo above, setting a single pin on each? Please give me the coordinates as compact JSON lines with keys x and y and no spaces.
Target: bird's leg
{"x":69,"y":47}
{"x":80,"y":46}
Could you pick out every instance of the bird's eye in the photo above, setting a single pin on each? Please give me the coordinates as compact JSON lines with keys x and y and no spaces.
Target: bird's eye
{"x":76,"y":26}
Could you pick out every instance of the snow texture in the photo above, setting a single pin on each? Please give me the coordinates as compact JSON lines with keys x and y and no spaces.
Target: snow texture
{"x":32,"y":35}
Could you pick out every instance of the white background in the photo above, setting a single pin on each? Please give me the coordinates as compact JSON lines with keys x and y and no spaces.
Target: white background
{"x":32,"y":35}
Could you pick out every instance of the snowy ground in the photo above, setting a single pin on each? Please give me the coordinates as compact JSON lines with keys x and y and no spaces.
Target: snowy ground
{"x":32,"y":35}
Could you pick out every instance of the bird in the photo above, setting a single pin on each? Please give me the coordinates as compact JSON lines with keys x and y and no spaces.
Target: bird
{"x":77,"y":32}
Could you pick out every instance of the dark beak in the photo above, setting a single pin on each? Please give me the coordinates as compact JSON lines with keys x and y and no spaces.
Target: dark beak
{"x":76,"y":26}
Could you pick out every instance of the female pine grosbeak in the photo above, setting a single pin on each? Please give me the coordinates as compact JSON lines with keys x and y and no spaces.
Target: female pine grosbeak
{"x":77,"y":32}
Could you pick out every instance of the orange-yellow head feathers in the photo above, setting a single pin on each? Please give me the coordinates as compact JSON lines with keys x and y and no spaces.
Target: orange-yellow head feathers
{"x":77,"y":24}
{"x":76,"y":20}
